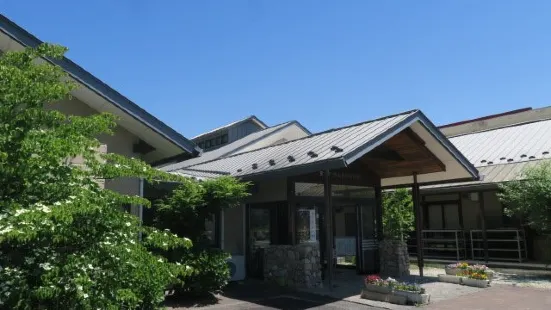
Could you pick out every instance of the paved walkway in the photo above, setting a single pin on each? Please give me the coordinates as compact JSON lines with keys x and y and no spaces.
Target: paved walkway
{"x":501,"y":297}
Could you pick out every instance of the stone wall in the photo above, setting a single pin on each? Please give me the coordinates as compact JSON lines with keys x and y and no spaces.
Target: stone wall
{"x":293,"y":265}
{"x":394,"y":258}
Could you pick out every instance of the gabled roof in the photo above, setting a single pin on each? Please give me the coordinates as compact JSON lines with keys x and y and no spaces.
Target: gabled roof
{"x":251,"y":118}
{"x":331,"y":149}
{"x":96,"y":85}
{"x":231,"y":148}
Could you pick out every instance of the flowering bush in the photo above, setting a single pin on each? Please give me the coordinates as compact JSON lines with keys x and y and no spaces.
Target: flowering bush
{"x":65,"y":242}
{"x":410,"y":287}
{"x":373,"y":279}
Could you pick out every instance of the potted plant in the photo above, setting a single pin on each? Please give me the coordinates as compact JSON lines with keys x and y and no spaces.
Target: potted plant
{"x":455,"y":269}
{"x":414,"y":293}
{"x":476,"y":279}
{"x":374,"y":283}
{"x":482,"y":269}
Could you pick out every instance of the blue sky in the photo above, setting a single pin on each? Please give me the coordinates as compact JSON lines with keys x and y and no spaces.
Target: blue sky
{"x":200,"y":64}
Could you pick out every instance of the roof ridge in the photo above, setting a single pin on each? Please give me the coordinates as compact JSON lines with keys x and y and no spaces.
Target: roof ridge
{"x":501,"y":127}
{"x":312,"y":135}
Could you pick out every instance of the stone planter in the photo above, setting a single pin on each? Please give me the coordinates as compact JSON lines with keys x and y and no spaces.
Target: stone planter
{"x":452,"y":271}
{"x":450,"y":278}
{"x":378,"y":289}
{"x":490,"y":275}
{"x":476,"y":282}
{"x":413,"y":297}
{"x":391,"y":298}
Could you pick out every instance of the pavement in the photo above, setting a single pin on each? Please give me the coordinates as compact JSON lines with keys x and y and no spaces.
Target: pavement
{"x":253,"y":295}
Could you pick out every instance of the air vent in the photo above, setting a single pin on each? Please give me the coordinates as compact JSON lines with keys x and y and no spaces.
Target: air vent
{"x":532,"y":157}
{"x":271,"y":162}
{"x":336,"y":149}
{"x":483,"y":161}
{"x":509,"y":160}
{"x":290,"y":158}
{"x":312,"y":154}
{"x":255,"y":166}
{"x":502,"y":158}
{"x":490,"y":162}
{"x":545,"y":153}
{"x":523,"y":156}
{"x":239,"y":170}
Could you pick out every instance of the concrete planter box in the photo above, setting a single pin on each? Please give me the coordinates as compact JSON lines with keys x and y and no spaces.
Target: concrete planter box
{"x":476,"y":282}
{"x":413,"y":297}
{"x":391,"y":298}
{"x":451,"y":271}
{"x":490,"y":275}
{"x":378,"y":289}
{"x":450,"y":278}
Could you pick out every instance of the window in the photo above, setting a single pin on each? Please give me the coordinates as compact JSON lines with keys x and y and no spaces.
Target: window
{"x":224,"y":138}
{"x":207,"y":144}
{"x":218,"y":140}
{"x":307,"y":224}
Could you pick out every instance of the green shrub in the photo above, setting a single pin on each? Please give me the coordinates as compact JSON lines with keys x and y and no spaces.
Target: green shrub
{"x":210,"y":272}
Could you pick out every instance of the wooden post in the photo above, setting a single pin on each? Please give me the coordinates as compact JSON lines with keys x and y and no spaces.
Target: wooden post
{"x":418,"y":222}
{"x":291,"y":208}
{"x":483,"y":222}
{"x":328,"y":227}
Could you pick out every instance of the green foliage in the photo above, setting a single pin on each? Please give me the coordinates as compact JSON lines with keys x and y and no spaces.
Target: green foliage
{"x":530,"y":198}
{"x":65,"y":242}
{"x":185,"y":212}
{"x":192,"y":203}
{"x":210,"y":272}
{"x":398,"y":217}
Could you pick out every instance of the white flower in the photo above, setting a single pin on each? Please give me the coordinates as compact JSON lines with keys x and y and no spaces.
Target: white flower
{"x":57,"y":203}
{"x":127,"y":223}
{"x":165,"y":244}
{"x":90,"y":266}
{"x":85,"y":295}
{"x":178,"y":264}
{"x":132,"y":241}
{"x":127,"y":250}
{"x":79,"y":287}
{"x":20,"y":211}
{"x":72,"y":197}
{"x":160,"y":260}
{"x":45,"y":266}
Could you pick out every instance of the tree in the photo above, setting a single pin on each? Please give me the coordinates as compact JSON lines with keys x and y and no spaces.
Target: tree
{"x":65,"y":242}
{"x":530,"y":197}
{"x":185,"y":212}
{"x":397,"y":214}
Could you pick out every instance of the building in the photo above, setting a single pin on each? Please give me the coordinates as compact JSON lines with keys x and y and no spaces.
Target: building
{"x":466,"y":220}
{"x":299,"y":183}
{"x":228,"y":133}
{"x":138,"y":133}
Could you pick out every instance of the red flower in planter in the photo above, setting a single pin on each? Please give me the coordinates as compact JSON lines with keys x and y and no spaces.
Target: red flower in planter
{"x":372,"y":279}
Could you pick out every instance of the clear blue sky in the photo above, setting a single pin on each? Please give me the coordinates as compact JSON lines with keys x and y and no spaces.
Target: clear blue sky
{"x":200,"y":64}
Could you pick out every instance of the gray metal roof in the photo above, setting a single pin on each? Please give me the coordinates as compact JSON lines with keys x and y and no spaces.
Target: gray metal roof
{"x":513,"y":144}
{"x":231,"y":148}
{"x":86,"y":78}
{"x":491,"y":175}
{"x":199,"y":174}
{"x":252,"y":118}
{"x":331,"y":149}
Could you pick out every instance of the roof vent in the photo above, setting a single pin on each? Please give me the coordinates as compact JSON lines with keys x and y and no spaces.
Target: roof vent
{"x":523,"y":156}
{"x":502,"y":158}
{"x":312,"y":154}
{"x":509,"y":160}
{"x":532,"y":157}
{"x":336,"y":149}
{"x":271,"y":162}
{"x":239,"y":170}
{"x":545,"y":153}
{"x":483,"y":161}
{"x":255,"y":166}
{"x":490,"y":162}
{"x":290,"y":158}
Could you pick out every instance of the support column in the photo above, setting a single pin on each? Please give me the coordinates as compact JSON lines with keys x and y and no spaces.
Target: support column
{"x":328,"y":228}
{"x":483,"y":222}
{"x":379,"y":222}
{"x":418,"y":222}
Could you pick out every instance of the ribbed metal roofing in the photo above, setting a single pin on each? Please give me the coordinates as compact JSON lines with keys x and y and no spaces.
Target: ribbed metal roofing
{"x":513,"y":144}
{"x":493,"y":174}
{"x":199,"y":174}
{"x":228,"y":149}
{"x":334,"y":148}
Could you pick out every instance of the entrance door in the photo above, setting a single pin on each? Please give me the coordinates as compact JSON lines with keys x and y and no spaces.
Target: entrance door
{"x":346,"y":235}
{"x":368,"y":246}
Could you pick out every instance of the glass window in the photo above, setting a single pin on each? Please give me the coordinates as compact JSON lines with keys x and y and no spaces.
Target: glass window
{"x":350,"y":191}
{"x":309,"y":189}
{"x":224,"y":138}
{"x":260,"y":226}
{"x":207,"y":143}
{"x":218,"y":140}
{"x":307,"y":224}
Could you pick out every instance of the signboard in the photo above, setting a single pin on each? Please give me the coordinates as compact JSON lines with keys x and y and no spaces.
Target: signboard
{"x":346,"y":246}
